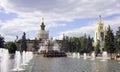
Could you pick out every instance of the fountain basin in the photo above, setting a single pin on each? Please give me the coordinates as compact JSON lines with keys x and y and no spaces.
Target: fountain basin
{"x":54,"y":53}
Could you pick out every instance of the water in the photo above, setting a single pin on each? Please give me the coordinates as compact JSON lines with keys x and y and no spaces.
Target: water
{"x":56,"y":46}
{"x":74,"y":55}
{"x":78,"y":55}
{"x":48,"y":45}
{"x":93,"y":56}
{"x":24,"y":58}
{"x":104,"y":56}
{"x":8,"y":64}
{"x":85,"y":56}
{"x":17,"y":66}
{"x":62,"y":64}
{"x":67,"y":64}
{"x":4,"y":56}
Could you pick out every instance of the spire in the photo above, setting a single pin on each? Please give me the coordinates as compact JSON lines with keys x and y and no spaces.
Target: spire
{"x":100,"y":19}
{"x":42,"y":25}
{"x":100,"y":23}
{"x":42,"y":20}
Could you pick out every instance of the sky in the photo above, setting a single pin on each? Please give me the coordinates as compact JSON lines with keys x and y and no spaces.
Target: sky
{"x":68,"y":17}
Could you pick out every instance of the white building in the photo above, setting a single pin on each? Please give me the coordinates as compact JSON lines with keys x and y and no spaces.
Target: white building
{"x":42,"y":33}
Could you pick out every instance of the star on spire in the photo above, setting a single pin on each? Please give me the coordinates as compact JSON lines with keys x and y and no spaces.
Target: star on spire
{"x":100,"y":18}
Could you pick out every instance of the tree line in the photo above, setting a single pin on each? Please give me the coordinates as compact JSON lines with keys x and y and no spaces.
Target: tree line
{"x":11,"y":46}
{"x":84,"y":44}
{"x":81,"y":44}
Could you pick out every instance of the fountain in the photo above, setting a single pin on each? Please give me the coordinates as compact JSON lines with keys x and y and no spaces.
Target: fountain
{"x":78,"y":55}
{"x":4,"y":56}
{"x":84,"y":56}
{"x":50,"y":48}
{"x":24,"y":58}
{"x":93,"y":56}
{"x":18,"y":62}
{"x":74,"y":55}
{"x":56,"y":47}
{"x":5,"y":60}
{"x":104,"y":56}
{"x":29,"y":56}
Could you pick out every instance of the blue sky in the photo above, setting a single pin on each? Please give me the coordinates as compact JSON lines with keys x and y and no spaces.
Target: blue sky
{"x":68,"y":17}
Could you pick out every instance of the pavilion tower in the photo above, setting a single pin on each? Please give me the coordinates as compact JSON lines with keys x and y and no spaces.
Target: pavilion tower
{"x":100,"y":34}
{"x":42,"y":33}
{"x":42,"y":25}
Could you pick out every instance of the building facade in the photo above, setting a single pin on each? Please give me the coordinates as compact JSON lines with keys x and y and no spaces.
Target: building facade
{"x":100,"y":33}
{"x":42,"y":34}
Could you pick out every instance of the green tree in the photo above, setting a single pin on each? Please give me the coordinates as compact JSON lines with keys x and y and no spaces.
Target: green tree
{"x":2,"y":42}
{"x":97,"y":48}
{"x":65,"y":44}
{"x":117,"y":41}
{"x":109,"y":42}
{"x":72,"y":44}
{"x":89,"y":45}
{"x":79,"y":44}
{"x":11,"y":46}
{"x":84,"y":45}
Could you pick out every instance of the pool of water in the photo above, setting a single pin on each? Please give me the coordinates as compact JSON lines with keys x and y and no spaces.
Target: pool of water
{"x":66,"y":64}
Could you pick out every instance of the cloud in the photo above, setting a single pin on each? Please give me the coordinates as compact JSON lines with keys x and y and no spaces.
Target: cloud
{"x":64,"y":9}
{"x":30,"y":12}
{"x":17,"y":26}
{"x":90,"y":29}
{"x":114,"y":23}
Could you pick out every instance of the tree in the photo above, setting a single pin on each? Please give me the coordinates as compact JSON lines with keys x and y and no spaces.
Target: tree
{"x":78,"y":44}
{"x":84,"y":44}
{"x":23,"y":43}
{"x":117,"y":41}
{"x":72,"y":44}
{"x":89,"y":45}
{"x":2,"y":42}
{"x":109,"y":42}
{"x":11,"y":46}
{"x":97,"y":48}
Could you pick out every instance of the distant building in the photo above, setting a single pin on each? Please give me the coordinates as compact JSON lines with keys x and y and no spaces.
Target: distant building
{"x":41,"y":35}
{"x":100,"y":32}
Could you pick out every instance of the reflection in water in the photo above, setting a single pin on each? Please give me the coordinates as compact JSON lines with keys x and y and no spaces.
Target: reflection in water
{"x":65,"y":64}
{"x":74,"y":65}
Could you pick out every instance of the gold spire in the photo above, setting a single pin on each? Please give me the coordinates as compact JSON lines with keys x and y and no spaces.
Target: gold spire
{"x":100,"y":19}
{"x":42,"y":20}
{"x":42,"y":25}
{"x":100,"y":23}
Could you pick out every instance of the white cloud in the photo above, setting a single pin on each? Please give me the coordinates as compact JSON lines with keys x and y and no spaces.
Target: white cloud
{"x":17,"y":26}
{"x":64,"y":9}
{"x":30,"y":12}
{"x":89,"y":30}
